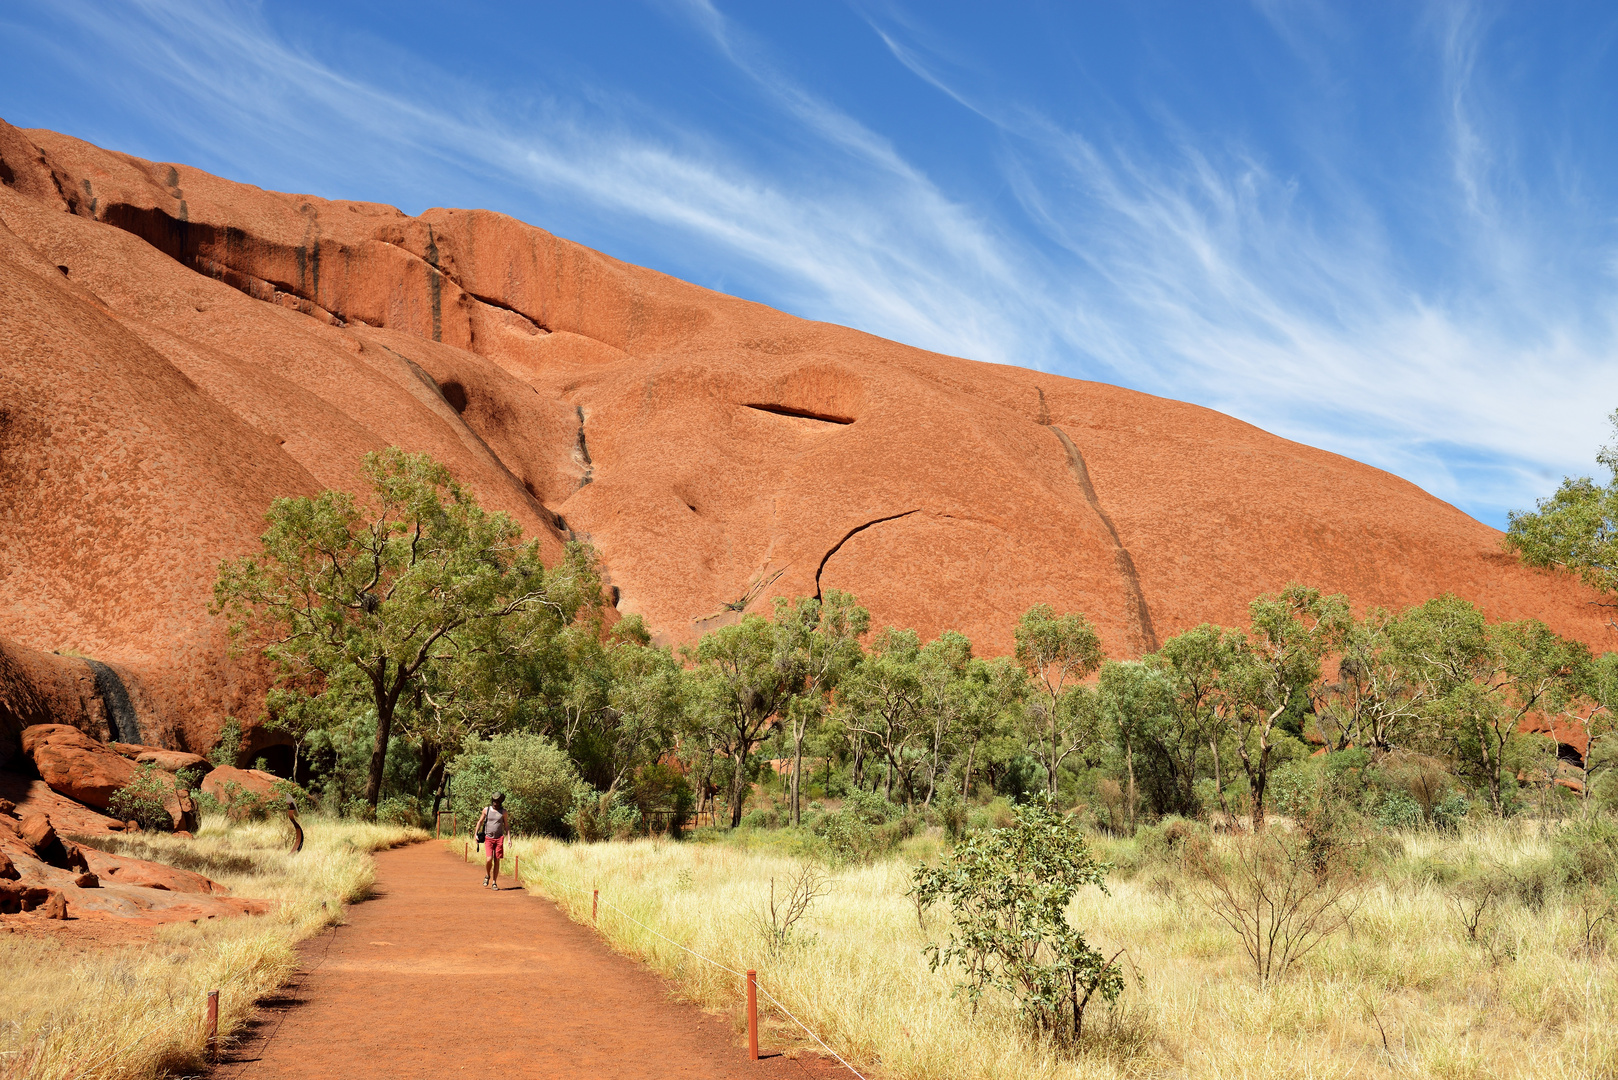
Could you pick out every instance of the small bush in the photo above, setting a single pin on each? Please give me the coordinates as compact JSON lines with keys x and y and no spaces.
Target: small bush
{"x":142,"y":799}
{"x":1585,"y":855}
{"x":1450,"y":811}
{"x":399,"y":810}
{"x":536,"y":775}
{"x":1397,"y":810}
{"x":1008,"y":891}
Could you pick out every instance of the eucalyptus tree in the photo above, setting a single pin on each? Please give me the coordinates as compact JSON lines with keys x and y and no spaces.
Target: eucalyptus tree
{"x":880,"y":700}
{"x":1481,"y":681}
{"x":352,"y":601}
{"x":826,"y":635}
{"x":1274,"y":668}
{"x":1134,"y":701}
{"x":956,"y":697}
{"x":1058,"y":652}
{"x":1191,"y":665}
{"x":1576,"y":529}
{"x":746,"y":675}
{"x":1375,"y":703}
{"x":1593,"y":710}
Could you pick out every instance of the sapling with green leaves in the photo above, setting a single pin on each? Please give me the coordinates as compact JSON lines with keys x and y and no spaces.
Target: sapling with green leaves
{"x":1008,"y":892}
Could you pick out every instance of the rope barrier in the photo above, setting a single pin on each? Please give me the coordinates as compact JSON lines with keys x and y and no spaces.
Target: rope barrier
{"x":774,"y":1000}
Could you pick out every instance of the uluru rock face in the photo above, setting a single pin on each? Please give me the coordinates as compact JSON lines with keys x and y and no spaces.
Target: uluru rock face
{"x":178,"y":350}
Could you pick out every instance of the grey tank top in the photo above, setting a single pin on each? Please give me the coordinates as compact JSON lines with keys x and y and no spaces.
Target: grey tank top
{"x":494,"y":823}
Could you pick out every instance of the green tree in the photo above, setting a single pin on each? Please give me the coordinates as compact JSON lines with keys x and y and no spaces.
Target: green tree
{"x":1375,"y":703}
{"x":1481,"y":681}
{"x":1276,"y":668}
{"x":1593,"y":710}
{"x":747,"y":674}
{"x":1057,"y":652}
{"x":354,"y":601}
{"x":1576,"y":529}
{"x":1008,"y":891}
{"x":1191,"y":664}
{"x":1135,"y":703}
{"x":826,"y":633}
{"x":881,"y":701}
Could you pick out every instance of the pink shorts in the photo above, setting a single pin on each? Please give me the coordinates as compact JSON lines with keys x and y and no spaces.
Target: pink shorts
{"x":495,"y":846}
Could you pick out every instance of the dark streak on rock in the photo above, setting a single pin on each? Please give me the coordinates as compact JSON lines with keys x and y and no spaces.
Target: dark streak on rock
{"x":1120,"y":554}
{"x":122,"y":723}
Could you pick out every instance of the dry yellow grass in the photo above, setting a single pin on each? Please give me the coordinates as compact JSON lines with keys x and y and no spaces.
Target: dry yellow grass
{"x":1402,"y":993}
{"x":136,"y":1011}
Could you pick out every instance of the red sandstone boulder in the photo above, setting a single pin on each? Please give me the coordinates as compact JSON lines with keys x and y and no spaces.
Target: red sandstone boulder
{"x":15,"y":897}
{"x":123,"y":870}
{"x":170,"y":761}
{"x":245,"y":792}
{"x":76,"y":765}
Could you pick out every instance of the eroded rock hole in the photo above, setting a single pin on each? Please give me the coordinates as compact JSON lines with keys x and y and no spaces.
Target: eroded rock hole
{"x":806,"y":414}
{"x":455,"y":394}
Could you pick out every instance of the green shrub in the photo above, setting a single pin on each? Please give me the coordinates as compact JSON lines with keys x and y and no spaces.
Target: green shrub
{"x":230,"y":744}
{"x":1174,"y":840}
{"x":536,"y":775}
{"x":1585,"y":854}
{"x":1397,"y":810}
{"x":1008,"y":891}
{"x":598,"y":816}
{"x":142,"y":799}
{"x":663,"y":796}
{"x":1451,"y":810}
{"x":399,"y":810}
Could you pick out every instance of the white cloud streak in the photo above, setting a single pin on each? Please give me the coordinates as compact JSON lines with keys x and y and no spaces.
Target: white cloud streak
{"x":1195,"y":274}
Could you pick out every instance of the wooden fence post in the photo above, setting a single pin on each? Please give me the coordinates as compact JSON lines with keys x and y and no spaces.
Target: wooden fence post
{"x":752,"y":1013}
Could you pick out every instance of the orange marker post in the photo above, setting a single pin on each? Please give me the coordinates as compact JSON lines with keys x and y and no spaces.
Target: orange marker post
{"x":516,"y":869}
{"x":595,"y":902}
{"x":213,"y":1022}
{"x":752,"y":1013}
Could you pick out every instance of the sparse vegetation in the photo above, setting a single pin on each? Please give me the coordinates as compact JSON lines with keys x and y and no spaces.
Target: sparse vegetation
{"x":1403,"y":990}
{"x":133,"y":1011}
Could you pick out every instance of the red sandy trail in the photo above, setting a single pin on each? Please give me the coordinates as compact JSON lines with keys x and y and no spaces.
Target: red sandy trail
{"x":437,"y":977}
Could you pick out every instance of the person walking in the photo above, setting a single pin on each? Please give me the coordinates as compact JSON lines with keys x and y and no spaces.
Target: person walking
{"x":491,"y":829}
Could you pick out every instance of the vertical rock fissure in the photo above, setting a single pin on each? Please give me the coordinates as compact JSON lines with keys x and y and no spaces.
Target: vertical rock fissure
{"x":584,"y":449}
{"x":1120,"y":554}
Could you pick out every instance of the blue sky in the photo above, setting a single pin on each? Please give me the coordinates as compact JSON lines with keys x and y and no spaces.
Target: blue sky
{"x":1386,"y":229}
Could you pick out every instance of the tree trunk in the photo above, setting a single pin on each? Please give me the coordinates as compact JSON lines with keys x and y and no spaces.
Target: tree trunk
{"x":1129,"y":763}
{"x":1219,"y":778}
{"x":797,"y":774}
{"x":438,"y":796}
{"x":738,"y":786}
{"x":379,"y":750}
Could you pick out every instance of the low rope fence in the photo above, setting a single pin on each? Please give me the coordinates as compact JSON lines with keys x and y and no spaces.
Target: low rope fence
{"x":750,"y":977}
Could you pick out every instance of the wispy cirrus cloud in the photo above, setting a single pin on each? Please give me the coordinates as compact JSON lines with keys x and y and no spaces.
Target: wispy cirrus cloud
{"x":1439,"y":331}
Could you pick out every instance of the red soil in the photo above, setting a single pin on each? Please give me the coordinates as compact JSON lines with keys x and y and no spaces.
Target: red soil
{"x":179,"y":350}
{"x":439,"y":977}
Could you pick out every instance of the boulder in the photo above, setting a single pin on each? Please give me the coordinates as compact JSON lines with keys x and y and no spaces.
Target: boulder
{"x":111,"y":869}
{"x":170,"y":761}
{"x":19,"y":795}
{"x":35,"y":830}
{"x":17,"y":896}
{"x":75,"y":765}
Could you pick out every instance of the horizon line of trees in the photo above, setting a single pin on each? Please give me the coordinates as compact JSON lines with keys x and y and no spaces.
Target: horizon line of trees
{"x":409,"y":630}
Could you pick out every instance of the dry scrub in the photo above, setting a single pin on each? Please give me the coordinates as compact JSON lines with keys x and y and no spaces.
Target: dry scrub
{"x":137,"y":1011}
{"x":1402,"y":991}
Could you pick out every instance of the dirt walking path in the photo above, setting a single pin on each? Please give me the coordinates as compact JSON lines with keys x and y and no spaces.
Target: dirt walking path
{"x":437,"y":977}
